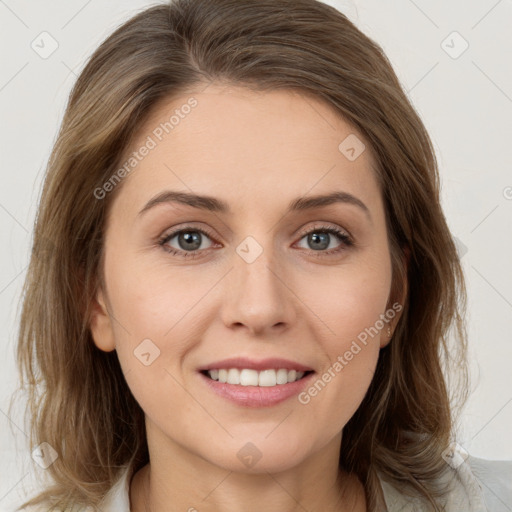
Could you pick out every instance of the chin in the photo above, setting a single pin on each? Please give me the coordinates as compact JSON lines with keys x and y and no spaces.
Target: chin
{"x":254,"y":455}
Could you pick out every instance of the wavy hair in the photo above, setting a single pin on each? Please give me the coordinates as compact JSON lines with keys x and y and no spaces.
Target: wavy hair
{"x":77,"y":398}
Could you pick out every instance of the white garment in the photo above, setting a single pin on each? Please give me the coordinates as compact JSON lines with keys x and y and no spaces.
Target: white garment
{"x":479,"y":485}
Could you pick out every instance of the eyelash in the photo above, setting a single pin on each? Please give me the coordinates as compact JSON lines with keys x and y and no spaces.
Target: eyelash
{"x":346,"y":240}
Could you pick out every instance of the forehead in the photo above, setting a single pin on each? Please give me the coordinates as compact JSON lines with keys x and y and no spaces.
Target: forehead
{"x":239,"y":144}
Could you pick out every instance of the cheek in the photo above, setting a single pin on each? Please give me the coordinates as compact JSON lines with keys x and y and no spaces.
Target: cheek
{"x":351,"y":307}
{"x":341,"y":384}
{"x":348,"y":300}
{"x":149,"y":310}
{"x":154,"y":301}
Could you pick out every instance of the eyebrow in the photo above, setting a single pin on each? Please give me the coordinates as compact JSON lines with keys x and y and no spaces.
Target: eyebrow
{"x":213,"y":204}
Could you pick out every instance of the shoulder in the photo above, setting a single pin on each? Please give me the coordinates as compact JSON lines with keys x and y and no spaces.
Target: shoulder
{"x":116,"y":500}
{"x":494,"y":478}
{"x":478,"y":485}
{"x":471,"y":485}
{"x":44,"y":508}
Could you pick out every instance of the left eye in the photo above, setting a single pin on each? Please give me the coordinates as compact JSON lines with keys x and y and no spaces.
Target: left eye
{"x":320,"y":237}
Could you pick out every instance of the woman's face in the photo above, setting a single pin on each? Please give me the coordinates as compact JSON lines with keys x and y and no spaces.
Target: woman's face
{"x":263,"y":279}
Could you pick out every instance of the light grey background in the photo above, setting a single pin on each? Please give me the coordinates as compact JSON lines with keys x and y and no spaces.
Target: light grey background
{"x":465,"y":101}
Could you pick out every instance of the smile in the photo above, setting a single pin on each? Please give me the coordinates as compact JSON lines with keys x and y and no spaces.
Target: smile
{"x":249,"y":377}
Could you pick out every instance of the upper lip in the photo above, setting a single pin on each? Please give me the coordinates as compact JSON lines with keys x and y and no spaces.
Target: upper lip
{"x":253,"y":364}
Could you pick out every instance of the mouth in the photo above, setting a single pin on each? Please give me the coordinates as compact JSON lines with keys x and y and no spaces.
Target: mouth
{"x":248,"y":382}
{"x":249,"y":377}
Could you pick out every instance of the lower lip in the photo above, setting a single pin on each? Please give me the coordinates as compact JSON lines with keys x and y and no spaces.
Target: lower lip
{"x":256,"y":396}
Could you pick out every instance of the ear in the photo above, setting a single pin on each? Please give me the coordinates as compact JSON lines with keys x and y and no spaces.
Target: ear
{"x":101,"y":324}
{"x":396,"y":303}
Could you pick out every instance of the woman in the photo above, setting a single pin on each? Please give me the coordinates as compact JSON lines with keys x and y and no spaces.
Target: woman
{"x":251,"y":277}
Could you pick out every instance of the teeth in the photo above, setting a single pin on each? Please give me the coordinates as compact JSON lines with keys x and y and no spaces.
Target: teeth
{"x":233,"y":376}
{"x":246,"y":377}
{"x":282,"y":376}
{"x":223,"y":375}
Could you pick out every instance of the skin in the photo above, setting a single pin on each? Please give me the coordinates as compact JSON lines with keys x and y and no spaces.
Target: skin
{"x":257,"y":152}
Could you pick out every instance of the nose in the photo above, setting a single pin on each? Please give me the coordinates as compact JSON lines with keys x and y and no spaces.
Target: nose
{"x":258,"y":296}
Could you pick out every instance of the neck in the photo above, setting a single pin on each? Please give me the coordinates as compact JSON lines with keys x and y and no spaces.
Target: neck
{"x":178,"y":480}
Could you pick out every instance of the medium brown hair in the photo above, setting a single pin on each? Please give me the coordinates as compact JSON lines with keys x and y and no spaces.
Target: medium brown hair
{"x":78,"y":399}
